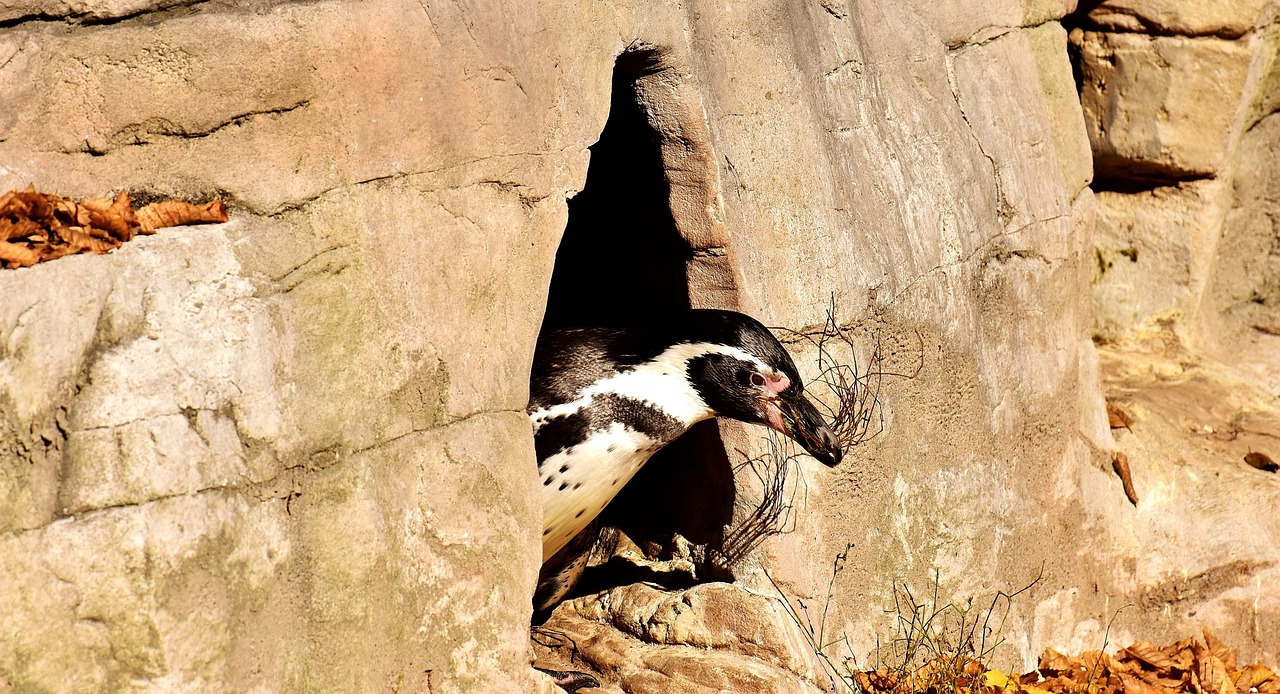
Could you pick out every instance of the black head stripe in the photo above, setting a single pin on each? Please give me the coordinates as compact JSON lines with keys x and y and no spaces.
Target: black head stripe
{"x":756,"y":340}
{"x":723,"y":383}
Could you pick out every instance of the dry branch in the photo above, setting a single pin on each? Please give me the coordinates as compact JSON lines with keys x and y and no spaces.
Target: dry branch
{"x":850,"y":395}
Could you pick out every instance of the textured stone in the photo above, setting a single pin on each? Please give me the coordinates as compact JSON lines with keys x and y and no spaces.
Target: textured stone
{"x":1195,"y":420}
{"x":1225,"y":18}
{"x":713,"y":637}
{"x":1240,"y":312}
{"x":957,"y":22}
{"x":1162,"y":107}
{"x":81,"y":10}
{"x":1266,"y":87}
{"x":1153,"y":257}
{"x":1180,"y":297}
{"x":289,"y":453}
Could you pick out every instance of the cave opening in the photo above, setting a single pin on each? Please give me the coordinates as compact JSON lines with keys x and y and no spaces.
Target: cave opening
{"x":623,"y":261}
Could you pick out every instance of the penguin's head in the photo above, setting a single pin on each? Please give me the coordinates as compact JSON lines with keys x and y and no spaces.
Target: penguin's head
{"x":753,"y":379}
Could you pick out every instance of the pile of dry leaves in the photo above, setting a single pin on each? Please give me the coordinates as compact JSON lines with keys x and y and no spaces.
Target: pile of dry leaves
{"x":35,"y":227}
{"x":1187,"y":666}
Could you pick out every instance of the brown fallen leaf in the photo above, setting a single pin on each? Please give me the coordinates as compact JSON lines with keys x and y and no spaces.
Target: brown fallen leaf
{"x":1134,"y":685}
{"x":37,"y":226}
{"x":1118,"y":418}
{"x":19,"y":255}
{"x":1210,"y":671}
{"x":13,"y":229}
{"x":1261,"y":461}
{"x":1257,"y":676}
{"x":173,"y":213}
{"x":1121,"y":465}
{"x":1180,"y":653}
{"x":1146,"y":652}
{"x":79,"y":239}
{"x":1219,"y":649}
{"x":1053,"y":663}
{"x":1185,"y":667}
{"x":118,"y":217}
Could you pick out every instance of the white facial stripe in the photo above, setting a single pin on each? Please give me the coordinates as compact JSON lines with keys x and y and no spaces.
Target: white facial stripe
{"x":661,"y":383}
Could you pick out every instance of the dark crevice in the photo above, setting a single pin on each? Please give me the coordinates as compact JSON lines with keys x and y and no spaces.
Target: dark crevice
{"x":1113,"y":170}
{"x":166,"y":10}
{"x":1136,"y":183}
{"x":155,"y":130}
{"x":622,"y":261}
{"x":685,"y":489}
{"x":30,"y":19}
{"x":1080,"y":19}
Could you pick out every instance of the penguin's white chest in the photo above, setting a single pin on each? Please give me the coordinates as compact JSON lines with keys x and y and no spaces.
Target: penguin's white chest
{"x":578,"y":483}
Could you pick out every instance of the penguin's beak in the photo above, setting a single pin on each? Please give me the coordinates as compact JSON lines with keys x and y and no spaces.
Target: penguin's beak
{"x":801,"y":421}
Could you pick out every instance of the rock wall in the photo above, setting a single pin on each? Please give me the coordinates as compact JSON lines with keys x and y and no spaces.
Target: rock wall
{"x":1179,"y":101}
{"x":1175,"y":100}
{"x":288,"y":453}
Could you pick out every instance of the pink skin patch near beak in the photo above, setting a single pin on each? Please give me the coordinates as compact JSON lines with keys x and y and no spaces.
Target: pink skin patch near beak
{"x":773,"y":415}
{"x":775,"y":384}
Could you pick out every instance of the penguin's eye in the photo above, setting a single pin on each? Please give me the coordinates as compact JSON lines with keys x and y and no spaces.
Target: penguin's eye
{"x":757,"y":380}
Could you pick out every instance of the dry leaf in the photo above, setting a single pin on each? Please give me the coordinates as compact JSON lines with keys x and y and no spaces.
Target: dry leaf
{"x":1134,"y":685}
{"x":1261,"y":461}
{"x":1257,"y":676}
{"x":1210,"y":673}
{"x":118,"y":217}
{"x":1053,"y":663}
{"x":1219,"y":649}
{"x":1121,"y":465}
{"x":999,"y":680}
{"x":1118,"y":418}
{"x":12,"y":229}
{"x":173,"y":213}
{"x":1181,"y":654}
{"x":1149,"y":654}
{"x":38,"y":226}
{"x":19,"y":255}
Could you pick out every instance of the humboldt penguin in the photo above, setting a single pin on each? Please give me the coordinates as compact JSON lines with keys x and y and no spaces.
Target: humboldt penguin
{"x":603,"y":400}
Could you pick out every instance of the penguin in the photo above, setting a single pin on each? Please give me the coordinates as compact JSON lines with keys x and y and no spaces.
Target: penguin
{"x":604,"y":400}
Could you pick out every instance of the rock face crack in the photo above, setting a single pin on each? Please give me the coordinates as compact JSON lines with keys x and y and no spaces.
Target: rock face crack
{"x":321,"y":263}
{"x":35,"y":18}
{"x":157,"y":129}
{"x":1001,"y":255}
{"x":832,"y":8}
{"x":159,"y":8}
{"x":301,"y":204}
{"x":281,"y":486}
{"x":1003,"y":207}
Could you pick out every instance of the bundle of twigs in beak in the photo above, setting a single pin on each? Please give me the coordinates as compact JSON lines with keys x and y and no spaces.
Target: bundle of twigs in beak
{"x":849,"y":392}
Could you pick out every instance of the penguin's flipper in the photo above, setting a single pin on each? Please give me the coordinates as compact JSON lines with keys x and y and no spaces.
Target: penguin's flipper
{"x":562,"y":571}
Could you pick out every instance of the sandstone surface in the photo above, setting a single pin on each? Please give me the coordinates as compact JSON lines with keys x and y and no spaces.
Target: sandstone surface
{"x":289,"y":453}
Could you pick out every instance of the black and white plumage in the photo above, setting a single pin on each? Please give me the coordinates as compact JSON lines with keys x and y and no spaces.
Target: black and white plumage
{"x":603,"y":400}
